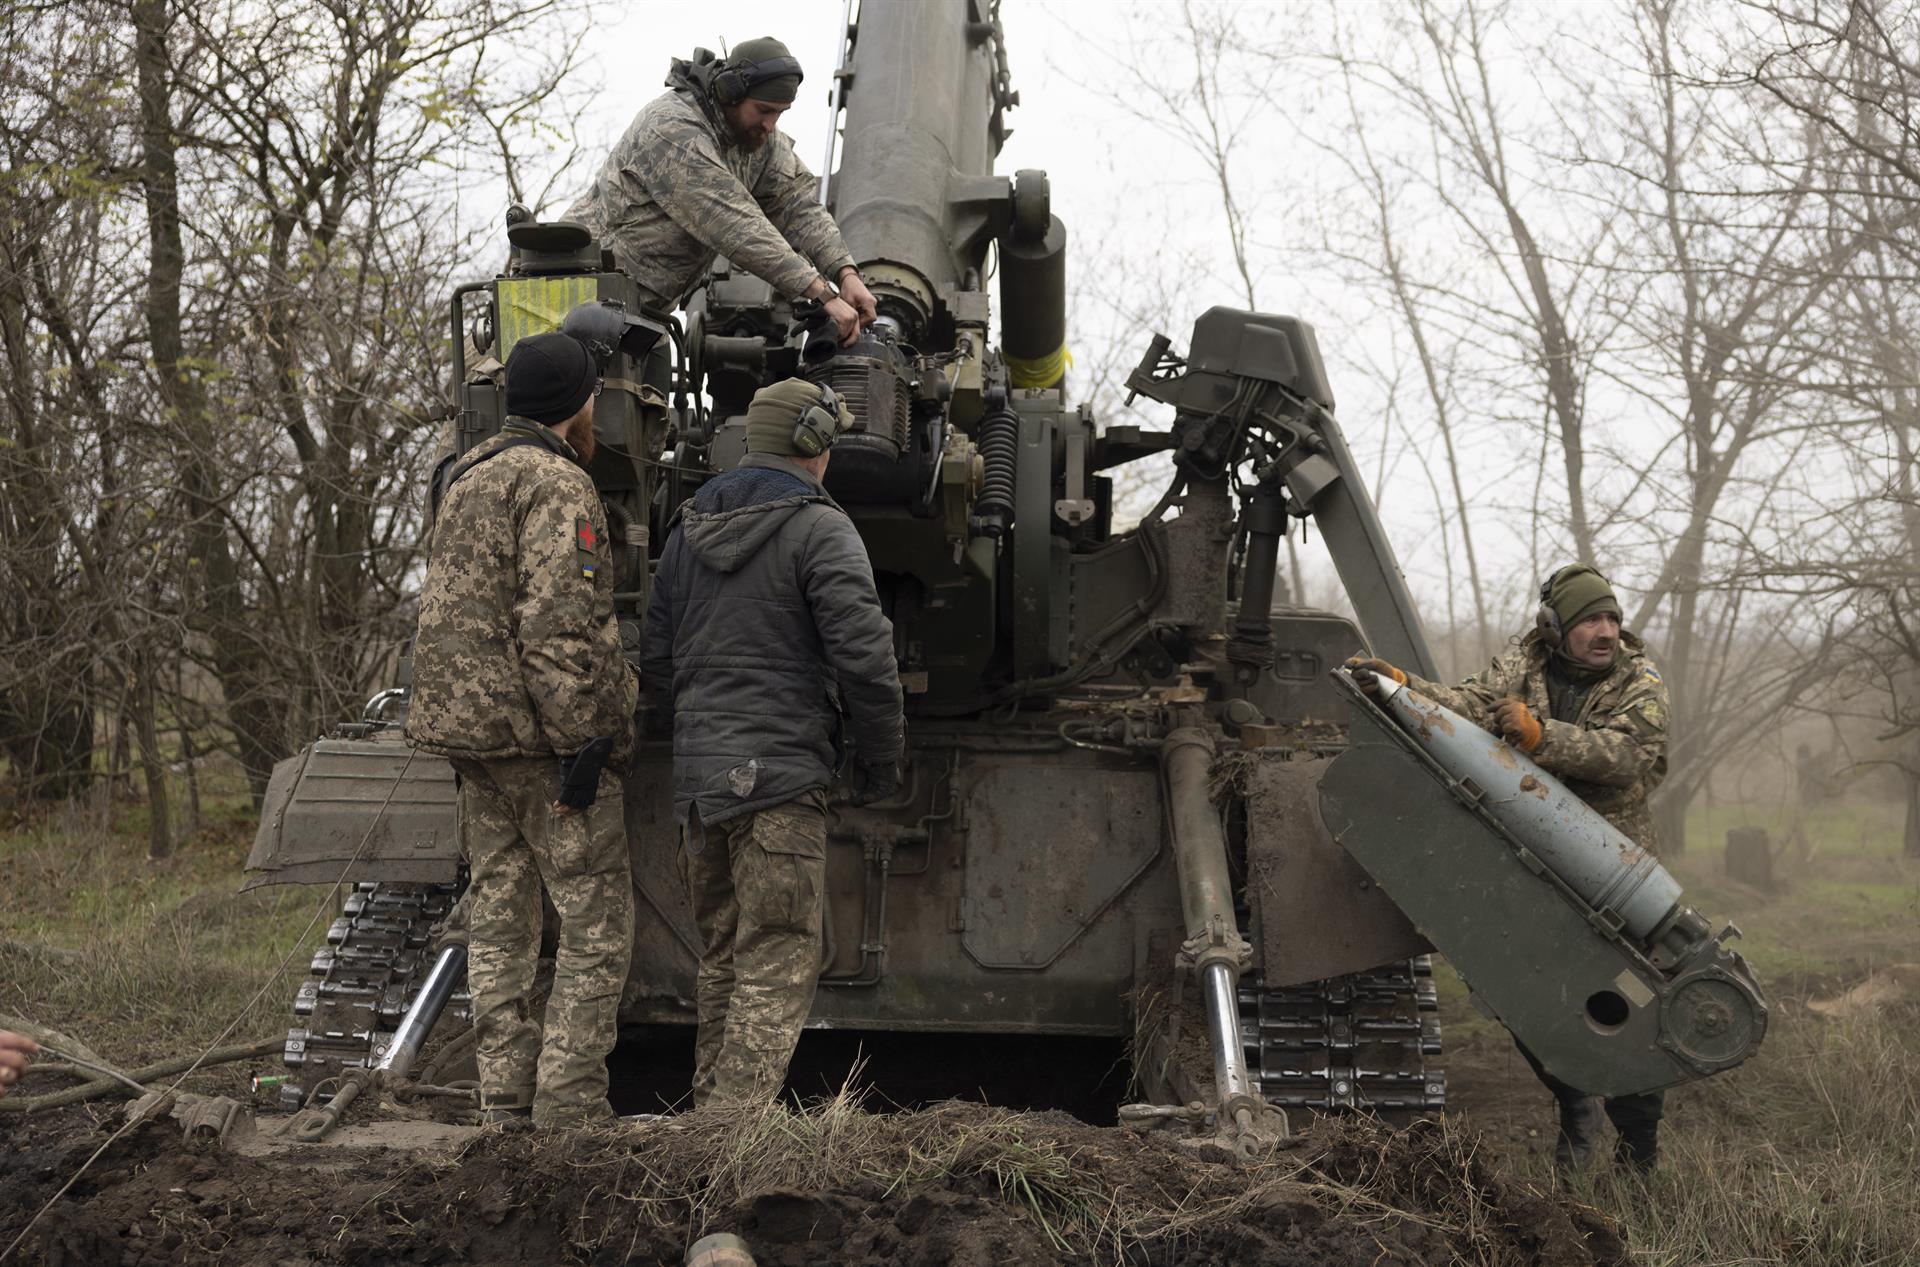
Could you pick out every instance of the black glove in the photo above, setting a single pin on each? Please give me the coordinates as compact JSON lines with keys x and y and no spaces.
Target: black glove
{"x":875,"y":783}
{"x":580,"y":773}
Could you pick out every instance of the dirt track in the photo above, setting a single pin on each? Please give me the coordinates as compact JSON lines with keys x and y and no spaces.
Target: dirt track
{"x":956,"y":1184}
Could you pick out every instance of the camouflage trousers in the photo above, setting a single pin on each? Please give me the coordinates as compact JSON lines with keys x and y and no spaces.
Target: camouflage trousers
{"x":517,"y":845}
{"x":757,"y":885}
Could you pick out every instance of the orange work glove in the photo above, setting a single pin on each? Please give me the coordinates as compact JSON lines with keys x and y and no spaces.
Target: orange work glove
{"x":1518,"y":724}
{"x":1365,"y":671}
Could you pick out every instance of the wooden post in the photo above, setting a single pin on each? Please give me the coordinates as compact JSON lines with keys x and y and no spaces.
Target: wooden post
{"x":1750,"y":857}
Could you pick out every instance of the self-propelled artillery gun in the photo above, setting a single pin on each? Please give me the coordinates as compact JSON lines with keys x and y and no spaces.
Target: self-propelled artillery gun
{"x":1141,"y":800}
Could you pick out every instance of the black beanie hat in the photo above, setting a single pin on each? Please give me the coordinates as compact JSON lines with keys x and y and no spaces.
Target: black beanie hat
{"x":549,"y":377}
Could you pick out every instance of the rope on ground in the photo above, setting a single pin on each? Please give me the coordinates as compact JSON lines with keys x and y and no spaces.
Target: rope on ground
{"x":326,"y":904}
{"x":106,"y":1071}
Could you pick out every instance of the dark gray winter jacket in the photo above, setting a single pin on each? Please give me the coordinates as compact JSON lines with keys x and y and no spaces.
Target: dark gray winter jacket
{"x":764,"y":605}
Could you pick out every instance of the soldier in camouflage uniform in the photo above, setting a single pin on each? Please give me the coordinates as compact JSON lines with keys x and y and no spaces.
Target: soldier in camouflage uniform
{"x":518,"y":677}
{"x":1580,"y":696}
{"x":764,"y":636}
{"x":703,"y":171}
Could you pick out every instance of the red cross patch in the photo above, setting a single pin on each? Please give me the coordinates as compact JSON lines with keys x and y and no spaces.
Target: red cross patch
{"x":584,"y":540}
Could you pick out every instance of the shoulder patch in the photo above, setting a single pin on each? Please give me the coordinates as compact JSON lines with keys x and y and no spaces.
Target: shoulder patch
{"x":1650,"y":673}
{"x":1649,"y":716}
{"x":585,"y":542}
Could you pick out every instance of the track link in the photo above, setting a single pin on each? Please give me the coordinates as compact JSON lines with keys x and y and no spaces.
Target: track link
{"x":362,"y":982}
{"x":1358,"y":1042}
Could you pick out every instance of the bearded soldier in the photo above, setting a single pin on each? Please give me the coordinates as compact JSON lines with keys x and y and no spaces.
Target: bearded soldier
{"x":1579,"y":695}
{"x":703,"y":170}
{"x":763,"y":632}
{"x":518,"y":677}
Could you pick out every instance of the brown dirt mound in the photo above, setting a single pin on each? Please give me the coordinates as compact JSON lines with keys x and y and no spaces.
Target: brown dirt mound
{"x":955,"y":1185}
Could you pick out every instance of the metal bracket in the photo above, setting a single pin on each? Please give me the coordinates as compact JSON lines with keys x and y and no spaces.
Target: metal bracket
{"x":1074,"y":509}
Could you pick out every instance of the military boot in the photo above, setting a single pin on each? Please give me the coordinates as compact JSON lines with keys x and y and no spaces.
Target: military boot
{"x":1638,"y":1147}
{"x":1637,"y":1119}
{"x":510,"y":1121}
{"x":512,"y":1109}
{"x":1580,"y":1119}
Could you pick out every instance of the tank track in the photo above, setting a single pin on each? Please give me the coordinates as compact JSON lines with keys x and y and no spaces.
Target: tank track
{"x":362,"y":982}
{"x":1357,"y":1042}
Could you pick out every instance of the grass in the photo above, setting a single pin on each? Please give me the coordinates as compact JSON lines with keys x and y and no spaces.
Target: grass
{"x":1807,"y":1154}
{"x":139,"y":959}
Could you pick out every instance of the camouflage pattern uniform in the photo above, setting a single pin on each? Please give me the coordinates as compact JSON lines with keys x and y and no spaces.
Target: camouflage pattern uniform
{"x":517,"y":663}
{"x":1605,"y":737}
{"x":677,"y":191}
{"x":757,"y":884}
{"x":1611,"y":753}
{"x":516,"y":843}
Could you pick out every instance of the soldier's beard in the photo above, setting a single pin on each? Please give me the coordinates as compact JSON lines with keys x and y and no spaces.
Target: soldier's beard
{"x":580,"y":436}
{"x":747,"y":140}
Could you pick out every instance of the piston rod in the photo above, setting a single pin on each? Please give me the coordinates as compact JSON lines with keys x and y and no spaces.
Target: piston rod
{"x":1214,"y":945}
{"x":425,"y":1012}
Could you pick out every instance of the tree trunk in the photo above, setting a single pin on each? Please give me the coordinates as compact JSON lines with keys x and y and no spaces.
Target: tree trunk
{"x":152,"y":764}
{"x":239,"y":661}
{"x":188,"y":753}
{"x":1911,"y":846}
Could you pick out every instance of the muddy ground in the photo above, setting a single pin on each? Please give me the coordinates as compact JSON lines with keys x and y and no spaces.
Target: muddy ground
{"x":955,"y":1184}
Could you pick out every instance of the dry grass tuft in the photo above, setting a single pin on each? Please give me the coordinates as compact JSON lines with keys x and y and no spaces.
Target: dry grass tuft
{"x":1810,"y":1156}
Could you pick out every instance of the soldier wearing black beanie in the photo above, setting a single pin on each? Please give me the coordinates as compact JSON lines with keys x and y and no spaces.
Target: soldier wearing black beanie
{"x":550,"y":378}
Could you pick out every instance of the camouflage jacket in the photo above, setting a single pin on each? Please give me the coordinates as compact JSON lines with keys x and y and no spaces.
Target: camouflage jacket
{"x":517,"y":652}
{"x":1612,"y":755}
{"x":676,"y":191}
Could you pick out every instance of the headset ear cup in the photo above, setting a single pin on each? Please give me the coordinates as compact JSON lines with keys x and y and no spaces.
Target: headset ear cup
{"x":813,"y":432}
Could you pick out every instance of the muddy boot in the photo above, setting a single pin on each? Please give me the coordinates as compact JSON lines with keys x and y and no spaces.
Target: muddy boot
{"x":1580,"y":1118}
{"x":511,"y":1120}
{"x":511,"y":1108}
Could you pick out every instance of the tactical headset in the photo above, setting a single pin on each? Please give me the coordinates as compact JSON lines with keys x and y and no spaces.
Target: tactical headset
{"x":818,"y":425}
{"x":733,"y":80}
{"x":1547,"y":620}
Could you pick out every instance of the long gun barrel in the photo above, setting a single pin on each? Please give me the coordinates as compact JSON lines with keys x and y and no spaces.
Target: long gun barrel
{"x":915,"y":196}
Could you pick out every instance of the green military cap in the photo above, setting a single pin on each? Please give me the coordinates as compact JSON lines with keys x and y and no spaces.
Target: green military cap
{"x":775,"y":410}
{"x":771,"y":73}
{"x":1576,"y":592}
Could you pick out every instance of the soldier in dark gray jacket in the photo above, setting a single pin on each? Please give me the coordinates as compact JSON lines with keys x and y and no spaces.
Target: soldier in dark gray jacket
{"x":763,"y":634}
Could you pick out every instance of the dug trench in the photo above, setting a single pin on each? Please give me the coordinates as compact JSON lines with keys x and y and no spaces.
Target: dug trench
{"x":879,"y":1168}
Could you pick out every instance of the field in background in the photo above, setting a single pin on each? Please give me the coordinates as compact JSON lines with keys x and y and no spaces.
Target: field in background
{"x":1804,"y":1156}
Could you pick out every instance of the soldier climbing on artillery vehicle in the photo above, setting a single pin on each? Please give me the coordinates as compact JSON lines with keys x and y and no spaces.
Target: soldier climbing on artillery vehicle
{"x":704,"y":171}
